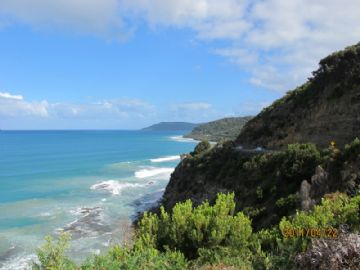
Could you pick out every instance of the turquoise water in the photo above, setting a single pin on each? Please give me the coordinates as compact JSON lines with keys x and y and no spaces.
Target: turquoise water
{"x":88,"y":183}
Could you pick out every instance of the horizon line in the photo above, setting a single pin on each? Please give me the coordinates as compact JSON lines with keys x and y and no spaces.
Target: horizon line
{"x":140,"y":129}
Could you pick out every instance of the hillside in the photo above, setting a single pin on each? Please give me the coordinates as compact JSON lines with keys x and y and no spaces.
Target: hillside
{"x":267,"y":185}
{"x":226,"y":128}
{"x":324,"y":109}
{"x":171,"y":126}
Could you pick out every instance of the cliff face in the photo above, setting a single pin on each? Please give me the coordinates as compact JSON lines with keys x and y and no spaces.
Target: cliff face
{"x":267,"y":186}
{"x":270,"y":185}
{"x":203,"y":176}
{"x":326,"y":108}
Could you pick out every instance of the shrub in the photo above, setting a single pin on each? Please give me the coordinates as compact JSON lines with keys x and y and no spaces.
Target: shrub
{"x":300,"y":161}
{"x":213,"y":237}
{"x":352,"y":150}
{"x":259,"y":193}
{"x":52,"y":254}
{"x":189,"y":229}
{"x":285,"y":204}
{"x":252,"y":212}
{"x":202,"y":147}
{"x":228,"y":258}
{"x":136,"y":258}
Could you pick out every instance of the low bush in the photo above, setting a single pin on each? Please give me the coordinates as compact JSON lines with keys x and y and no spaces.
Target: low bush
{"x":137,"y":258}
{"x":189,"y":229}
{"x":202,"y":147}
{"x":211,"y":237}
{"x":52,"y":254}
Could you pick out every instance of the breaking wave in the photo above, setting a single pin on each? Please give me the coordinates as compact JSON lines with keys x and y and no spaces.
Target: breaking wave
{"x":114,"y":187}
{"x":153,"y":171}
{"x":165,"y":159}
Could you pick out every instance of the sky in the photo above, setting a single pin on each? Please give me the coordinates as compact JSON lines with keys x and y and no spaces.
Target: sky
{"x":126,"y":64}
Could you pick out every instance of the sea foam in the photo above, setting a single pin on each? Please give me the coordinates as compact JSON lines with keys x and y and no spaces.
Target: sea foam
{"x":182,"y":139}
{"x":165,"y":159}
{"x":22,"y":262}
{"x":153,"y":171}
{"x":114,"y":187}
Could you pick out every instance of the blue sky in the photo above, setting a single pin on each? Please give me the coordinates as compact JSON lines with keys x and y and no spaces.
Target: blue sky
{"x":121,"y":64}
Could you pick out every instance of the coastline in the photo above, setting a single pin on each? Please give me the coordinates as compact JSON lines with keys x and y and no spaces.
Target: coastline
{"x":90,"y":206}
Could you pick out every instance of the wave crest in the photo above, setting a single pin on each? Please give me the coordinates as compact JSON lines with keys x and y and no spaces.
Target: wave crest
{"x":165,"y":159}
{"x":114,"y":187}
{"x":153,"y":171}
{"x":182,"y":139}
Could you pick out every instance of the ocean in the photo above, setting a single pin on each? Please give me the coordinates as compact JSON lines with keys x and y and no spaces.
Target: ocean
{"x":88,"y":183}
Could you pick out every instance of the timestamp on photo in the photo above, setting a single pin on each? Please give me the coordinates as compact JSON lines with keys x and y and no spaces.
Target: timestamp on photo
{"x":299,"y":232}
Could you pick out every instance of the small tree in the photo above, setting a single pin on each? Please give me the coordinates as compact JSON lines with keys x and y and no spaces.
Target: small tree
{"x":52,"y":254}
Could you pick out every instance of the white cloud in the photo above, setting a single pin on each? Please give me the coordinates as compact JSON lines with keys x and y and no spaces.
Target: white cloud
{"x":5,"y":95}
{"x":186,"y":12}
{"x":239,"y":56}
{"x":191,"y":111}
{"x":109,"y":109}
{"x":15,"y":105}
{"x":191,"y":107}
{"x":277,"y":42}
{"x":85,"y":16}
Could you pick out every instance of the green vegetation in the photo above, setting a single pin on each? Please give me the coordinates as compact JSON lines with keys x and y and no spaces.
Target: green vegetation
{"x":52,"y":254}
{"x":322,"y":109}
{"x":266,"y":185}
{"x":190,"y":230}
{"x":352,"y":150}
{"x":223,"y":129}
{"x":333,"y":67}
{"x":211,"y":237}
{"x":201,"y":148}
{"x":258,"y":180}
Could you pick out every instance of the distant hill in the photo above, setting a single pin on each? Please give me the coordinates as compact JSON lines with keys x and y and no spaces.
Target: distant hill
{"x":226,"y":128}
{"x":171,"y":126}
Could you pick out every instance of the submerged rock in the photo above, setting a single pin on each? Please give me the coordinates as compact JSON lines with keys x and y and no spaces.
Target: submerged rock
{"x":90,"y":223}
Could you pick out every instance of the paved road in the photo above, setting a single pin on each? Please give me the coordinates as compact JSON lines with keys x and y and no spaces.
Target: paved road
{"x":258,"y":150}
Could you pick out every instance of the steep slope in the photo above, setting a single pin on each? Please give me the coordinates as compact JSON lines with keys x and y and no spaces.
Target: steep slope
{"x":272,"y":184}
{"x":171,"y":126}
{"x":226,"y":128}
{"x":326,"y":108}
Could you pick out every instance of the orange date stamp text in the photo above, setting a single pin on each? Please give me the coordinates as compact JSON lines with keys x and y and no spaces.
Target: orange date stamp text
{"x":310,"y":233}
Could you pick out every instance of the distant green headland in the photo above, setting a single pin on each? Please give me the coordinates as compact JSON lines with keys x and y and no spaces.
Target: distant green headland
{"x":222,"y":129}
{"x":171,"y":126}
